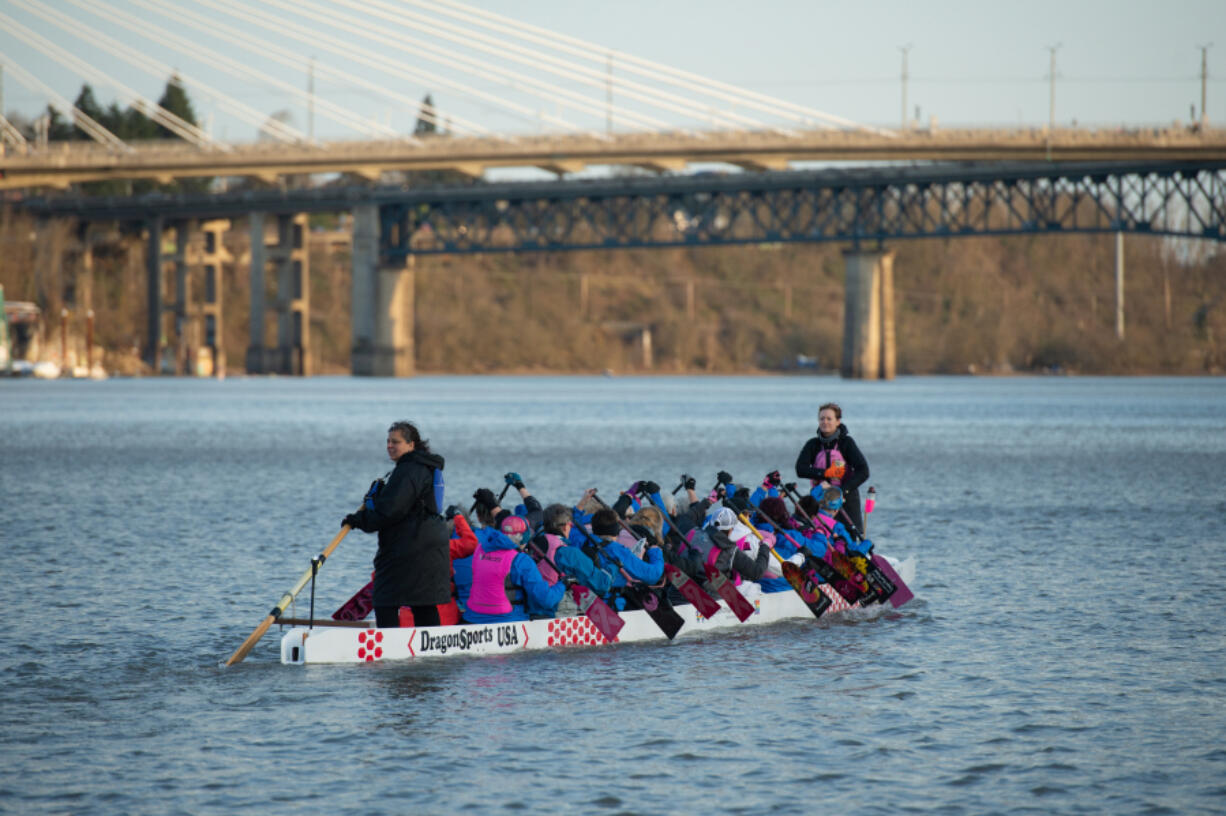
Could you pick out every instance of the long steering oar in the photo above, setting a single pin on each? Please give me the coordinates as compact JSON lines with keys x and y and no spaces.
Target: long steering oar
{"x":242,"y":651}
{"x":804,"y":582}
{"x":687,"y":586}
{"x":603,"y":617}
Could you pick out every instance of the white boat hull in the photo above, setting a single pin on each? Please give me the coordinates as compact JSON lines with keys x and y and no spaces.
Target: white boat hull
{"x":301,"y":645}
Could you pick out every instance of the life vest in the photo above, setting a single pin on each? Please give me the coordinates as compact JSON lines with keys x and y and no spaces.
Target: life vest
{"x":492,"y":591}
{"x":743,"y":544}
{"x":824,"y":459}
{"x":548,"y":572}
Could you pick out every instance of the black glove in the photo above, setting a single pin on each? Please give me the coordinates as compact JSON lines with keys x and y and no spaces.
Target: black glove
{"x":514,"y":480}
{"x":484,"y":497}
{"x":646,"y":488}
{"x":350,"y":520}
{"x":790,"y":487}
{"x":774,"y":478}
{"x":723,"y":477}
{"x":452,"y":511}
{"x":690,"y":483}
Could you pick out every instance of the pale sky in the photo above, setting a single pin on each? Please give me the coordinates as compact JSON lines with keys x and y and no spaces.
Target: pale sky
{"x":970,"y":62}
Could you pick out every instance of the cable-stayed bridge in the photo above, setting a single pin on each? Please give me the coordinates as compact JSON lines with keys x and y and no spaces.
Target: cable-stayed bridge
{"x":521,"y":96}
{"x":517,"y":96}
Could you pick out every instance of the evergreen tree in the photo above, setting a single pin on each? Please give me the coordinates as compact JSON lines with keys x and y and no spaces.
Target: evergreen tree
{"x":427,"y":118}
{"x":88,"y":105}
{"x":174,"y":99}
{"x":58,"y":128}
{"x":134,"y":125}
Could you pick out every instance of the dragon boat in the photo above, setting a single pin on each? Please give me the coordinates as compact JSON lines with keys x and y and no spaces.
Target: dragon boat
{"x":361,"y":642}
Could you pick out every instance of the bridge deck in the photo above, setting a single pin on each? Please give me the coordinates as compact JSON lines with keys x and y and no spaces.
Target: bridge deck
{"x":64,"y":163}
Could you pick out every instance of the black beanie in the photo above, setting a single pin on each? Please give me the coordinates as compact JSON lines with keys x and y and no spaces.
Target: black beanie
{"x":604,"y":523}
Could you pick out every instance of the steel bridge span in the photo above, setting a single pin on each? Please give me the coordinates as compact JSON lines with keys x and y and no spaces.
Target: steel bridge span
{"x":863,"y":208}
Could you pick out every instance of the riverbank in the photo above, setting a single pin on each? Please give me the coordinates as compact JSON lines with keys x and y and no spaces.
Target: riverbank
{"x":996,"y":306}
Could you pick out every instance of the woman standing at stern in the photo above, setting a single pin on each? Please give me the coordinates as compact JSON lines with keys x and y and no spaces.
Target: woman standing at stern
{"x":412,"y":564}
{"x":832,"y":459}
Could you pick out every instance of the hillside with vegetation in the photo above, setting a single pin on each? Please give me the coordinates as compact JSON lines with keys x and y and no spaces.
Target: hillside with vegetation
{"x":969,"y":305}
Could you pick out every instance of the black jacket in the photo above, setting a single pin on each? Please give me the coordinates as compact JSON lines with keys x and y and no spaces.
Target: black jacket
{"x":413,"y":563}
{"x":857,"y":466}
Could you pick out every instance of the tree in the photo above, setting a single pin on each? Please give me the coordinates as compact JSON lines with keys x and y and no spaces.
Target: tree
{"x":58,"y":130}
{"x":427,"y":118}
{"x":174,"y":99}
{"x":88,"y":105}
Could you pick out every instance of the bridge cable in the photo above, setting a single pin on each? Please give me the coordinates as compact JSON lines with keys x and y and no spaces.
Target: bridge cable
{"x":645,"y":67}
{"x":235,"y":68}
{"x":153,"y":67}
{"x":90,"y":126}
{"x":348,"y":50}
{"x":484,"y":69}
{"x":137,"y":101}
{"x":538,"y":59}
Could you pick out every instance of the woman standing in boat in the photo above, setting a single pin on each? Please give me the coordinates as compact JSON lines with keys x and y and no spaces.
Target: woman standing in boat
{"x":412,"y":564}
{"x":832,"y":459}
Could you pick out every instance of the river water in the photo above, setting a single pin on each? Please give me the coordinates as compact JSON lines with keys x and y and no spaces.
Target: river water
{"x":1065,"y":654}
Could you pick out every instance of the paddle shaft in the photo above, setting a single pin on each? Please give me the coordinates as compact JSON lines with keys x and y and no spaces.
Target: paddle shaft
{"x":817,"y":606}
{"x":286,"y":599}
{"x":658,"y":608}
{"x":606,"y":620}
{"x":822,"y":529}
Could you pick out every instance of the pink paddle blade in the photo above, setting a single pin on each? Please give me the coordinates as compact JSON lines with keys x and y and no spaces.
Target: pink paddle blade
{"x":731,"y":595}
{"x":691,"y":591}
{"x":603,"y":617}
{"x":902,"y":593}
{"x":357,"y":607}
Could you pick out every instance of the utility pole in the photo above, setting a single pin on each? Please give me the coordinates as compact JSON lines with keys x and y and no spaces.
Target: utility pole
{"x":1204,"y":80}
{"x":608,"y":98}
{"x":311,"y":101}
{"x":1051,"y":104}
{"x":904,"y":49}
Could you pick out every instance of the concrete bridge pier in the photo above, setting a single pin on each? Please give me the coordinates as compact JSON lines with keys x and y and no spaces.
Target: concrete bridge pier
{"x":868,"y":315}
{"x":153,"y":293}
{"x":383,"y":304}
{"x":289,"y":255}
{"x":212,"y":257}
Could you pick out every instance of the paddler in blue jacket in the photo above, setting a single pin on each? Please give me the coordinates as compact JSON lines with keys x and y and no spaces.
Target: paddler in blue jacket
{"x":505,"y":579}
{"x":618,"y":560}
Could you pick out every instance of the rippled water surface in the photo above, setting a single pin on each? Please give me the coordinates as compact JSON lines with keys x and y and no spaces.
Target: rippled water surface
{"x":1065,"y":654}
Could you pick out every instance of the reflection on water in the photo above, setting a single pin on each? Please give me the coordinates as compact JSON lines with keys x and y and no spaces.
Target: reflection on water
{"x":1064,"y":653}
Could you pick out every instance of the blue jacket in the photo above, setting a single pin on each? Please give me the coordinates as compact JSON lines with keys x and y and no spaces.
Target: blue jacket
{"x":537,"y":593}
{"x":575,"y":563}
{"x":786,"y":550}
{"x":756,"y":497}
{"x":649,"y":570}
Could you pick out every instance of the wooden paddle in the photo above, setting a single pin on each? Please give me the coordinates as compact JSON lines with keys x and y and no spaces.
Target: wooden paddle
{"x":286,"y":599}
